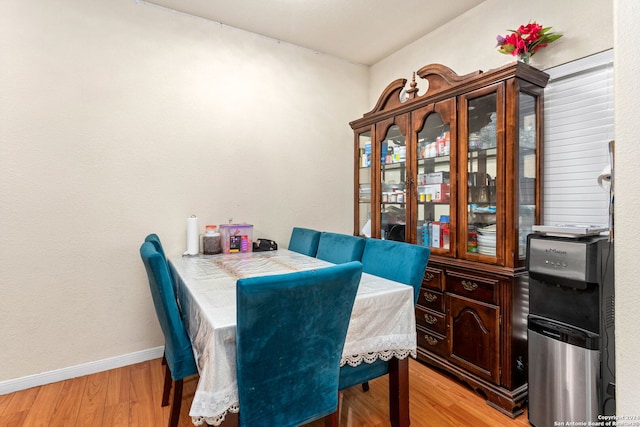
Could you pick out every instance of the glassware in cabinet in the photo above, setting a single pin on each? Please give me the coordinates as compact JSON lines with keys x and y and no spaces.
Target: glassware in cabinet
{"x":483,"y":174}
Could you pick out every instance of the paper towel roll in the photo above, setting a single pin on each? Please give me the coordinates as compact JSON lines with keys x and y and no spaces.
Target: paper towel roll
{"x":193,"y":237}
{"x":604,"y":179}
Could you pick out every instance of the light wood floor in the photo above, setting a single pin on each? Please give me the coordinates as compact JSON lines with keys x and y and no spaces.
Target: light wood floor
{"x":130,"y":397}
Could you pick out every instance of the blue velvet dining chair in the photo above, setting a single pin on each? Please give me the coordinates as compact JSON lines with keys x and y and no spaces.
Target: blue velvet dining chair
{"x":180,"y":362}
{"x":155,"y":240}
{"x":304,"y":241}
{"x":340,"y":248}
{"x":397,"y":261}
{"x":291,"y":330}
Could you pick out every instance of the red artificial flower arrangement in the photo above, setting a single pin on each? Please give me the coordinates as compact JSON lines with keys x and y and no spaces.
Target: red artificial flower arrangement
{"x":526,"y":40}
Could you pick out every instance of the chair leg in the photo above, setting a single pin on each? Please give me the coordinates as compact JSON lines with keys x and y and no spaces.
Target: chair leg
{"x":365,"y":386}
{"x":332,"y":420}
{"x":174,"y":417}
{"x":167,"y":386}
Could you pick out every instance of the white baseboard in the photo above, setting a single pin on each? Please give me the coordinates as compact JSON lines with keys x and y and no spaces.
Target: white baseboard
{"x":36,"y":380}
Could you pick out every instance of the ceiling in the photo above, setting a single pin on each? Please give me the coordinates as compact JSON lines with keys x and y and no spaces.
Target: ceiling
{"x":360,"y":31}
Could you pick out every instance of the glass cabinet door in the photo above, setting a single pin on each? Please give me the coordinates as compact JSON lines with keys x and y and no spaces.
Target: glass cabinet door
{"x":393,"y":179}
{"x":528,"y":167}
{"x":483,"y":175}
{"x":364,"y":184}
{"x":434,"y":146}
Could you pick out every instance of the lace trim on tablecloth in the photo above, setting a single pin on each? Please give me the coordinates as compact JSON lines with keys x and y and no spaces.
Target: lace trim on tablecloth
{"x":353,"y":360}
{"x":217,"y":420}
{"x":385,"y":355}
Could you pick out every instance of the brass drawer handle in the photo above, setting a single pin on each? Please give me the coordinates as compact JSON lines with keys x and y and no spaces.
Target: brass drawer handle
{"x":430,"y":297}
{"x":429,"y":277}
{"x":430,"y":340}
{"x":430,"y":319}
{"x":469,"y":286}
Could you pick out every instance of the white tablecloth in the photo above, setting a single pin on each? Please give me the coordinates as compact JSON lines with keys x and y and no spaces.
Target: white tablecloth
{"x":382,"y":322}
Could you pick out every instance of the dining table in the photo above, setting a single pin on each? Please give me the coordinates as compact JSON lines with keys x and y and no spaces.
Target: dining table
{"x":382,"y":325}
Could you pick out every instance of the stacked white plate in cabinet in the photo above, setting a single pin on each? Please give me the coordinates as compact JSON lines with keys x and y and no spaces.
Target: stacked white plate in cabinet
{"x":487,"y":240}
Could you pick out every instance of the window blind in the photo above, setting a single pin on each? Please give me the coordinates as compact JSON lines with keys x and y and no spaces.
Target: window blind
{"x":578,"y":126}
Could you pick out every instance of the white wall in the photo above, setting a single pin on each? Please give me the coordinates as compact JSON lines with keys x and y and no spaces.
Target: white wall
{"x":468,"y":43}
{"x":118,"y":119}
{"x":627,"y":205}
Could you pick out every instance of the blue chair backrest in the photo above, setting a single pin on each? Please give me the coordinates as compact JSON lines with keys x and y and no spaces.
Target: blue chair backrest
{"x":304,"y":241}
{"x":291,"y":330}
{"x":398,"y":261}
{"x":155,"y":239}
{"x":178,"y":351}
{"x":340,"y":248}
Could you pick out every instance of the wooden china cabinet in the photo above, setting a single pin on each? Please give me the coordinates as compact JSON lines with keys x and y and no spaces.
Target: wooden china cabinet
{"x":458,"y":168}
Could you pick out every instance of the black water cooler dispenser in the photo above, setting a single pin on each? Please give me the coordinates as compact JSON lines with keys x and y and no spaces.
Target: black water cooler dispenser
{"x":571,"y":367}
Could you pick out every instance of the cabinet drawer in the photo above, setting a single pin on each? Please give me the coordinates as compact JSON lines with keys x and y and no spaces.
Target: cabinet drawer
{"x":432,"y":320}
{"x":432,"y":342}
{"x":429,"y":298}
{"x":434,"y":279}
{"x":478,"y":288}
